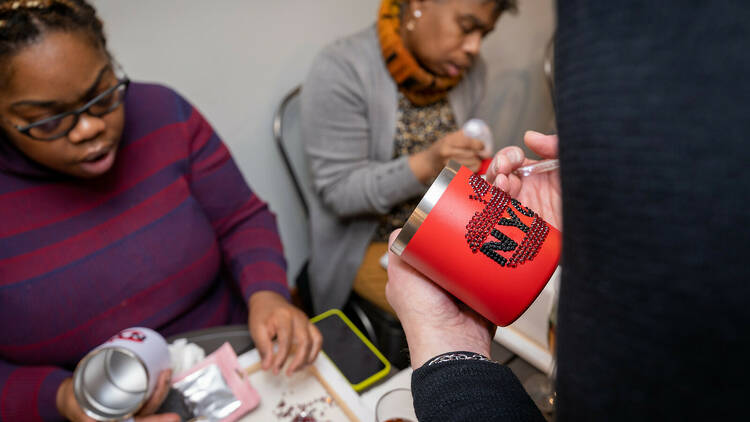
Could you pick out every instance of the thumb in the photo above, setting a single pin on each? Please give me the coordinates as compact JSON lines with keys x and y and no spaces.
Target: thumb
{"x":262,"y":338}
{"x":160,"y":393}
{"x":506,"y":160}
{"x":544,"y":145}
{"x":476,"y":145}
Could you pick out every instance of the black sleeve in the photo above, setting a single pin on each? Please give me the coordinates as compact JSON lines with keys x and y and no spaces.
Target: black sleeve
{"x":470,"y":391}
{"x":653,"y":117}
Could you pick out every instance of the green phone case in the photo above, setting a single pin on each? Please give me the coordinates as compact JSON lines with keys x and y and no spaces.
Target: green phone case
{"x":376,"y":376}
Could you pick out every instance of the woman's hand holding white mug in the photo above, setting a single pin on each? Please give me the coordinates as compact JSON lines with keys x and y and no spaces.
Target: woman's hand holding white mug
{"x":426,"y":165}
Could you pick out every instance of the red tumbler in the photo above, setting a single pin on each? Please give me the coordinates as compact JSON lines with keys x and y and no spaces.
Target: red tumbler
{"x":479,"y":244}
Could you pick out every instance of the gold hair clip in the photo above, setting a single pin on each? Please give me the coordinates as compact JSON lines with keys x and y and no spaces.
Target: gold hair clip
{"x":7,"y":6}
{"x":26,"y":4}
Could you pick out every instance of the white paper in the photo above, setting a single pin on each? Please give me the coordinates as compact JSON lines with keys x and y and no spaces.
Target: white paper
{"x":270,"y":388}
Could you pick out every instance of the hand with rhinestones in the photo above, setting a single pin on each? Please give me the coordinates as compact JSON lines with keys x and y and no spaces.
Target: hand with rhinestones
{"x":433,"y":320}
{"x":272,"y":317}
{"x":427,"y":164}
{"x":540,"y":192}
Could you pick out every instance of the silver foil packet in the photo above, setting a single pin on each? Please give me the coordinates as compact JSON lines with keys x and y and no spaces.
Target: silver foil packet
{"x":207,"y":394}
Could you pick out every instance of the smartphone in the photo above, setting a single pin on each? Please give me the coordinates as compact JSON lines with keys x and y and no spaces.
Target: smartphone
{"x":358,"y":360}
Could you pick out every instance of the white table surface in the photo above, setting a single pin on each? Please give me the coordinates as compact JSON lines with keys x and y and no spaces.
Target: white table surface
{"x":401,"y":379}
{"x":362,"y":406}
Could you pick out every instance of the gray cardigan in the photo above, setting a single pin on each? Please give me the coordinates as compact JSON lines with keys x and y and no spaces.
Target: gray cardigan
{"x":348,"y":122}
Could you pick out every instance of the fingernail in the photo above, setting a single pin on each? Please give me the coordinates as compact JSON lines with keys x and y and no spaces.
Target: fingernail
{"x":534,"y":133}
{"x":494,"y":164}
{"x":514,"y":156}
{"x":500,"y":183}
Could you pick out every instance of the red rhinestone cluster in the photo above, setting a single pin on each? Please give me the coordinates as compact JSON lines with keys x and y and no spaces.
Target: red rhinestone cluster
{"x":483,"y":222}
{"x":479,"y":186}
{"x":531,"y":244}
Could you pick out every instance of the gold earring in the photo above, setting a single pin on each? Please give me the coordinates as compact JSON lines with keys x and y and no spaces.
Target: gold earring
{"x":411,"y":24}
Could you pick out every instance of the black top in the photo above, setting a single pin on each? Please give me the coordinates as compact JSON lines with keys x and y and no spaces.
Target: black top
{"x":470,"y":390}
{"x":654,"y":314}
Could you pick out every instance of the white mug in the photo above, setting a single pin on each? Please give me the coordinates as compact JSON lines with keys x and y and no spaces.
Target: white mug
{"x":115,"y":379}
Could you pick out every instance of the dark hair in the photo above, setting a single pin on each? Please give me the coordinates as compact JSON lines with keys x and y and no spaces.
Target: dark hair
{"x":505,"y":5}
{"x":501,"y":6}
{"x":24,"y":22}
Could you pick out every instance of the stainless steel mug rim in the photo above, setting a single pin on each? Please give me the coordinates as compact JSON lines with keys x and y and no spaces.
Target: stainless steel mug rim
{"x":424,"y":207}
{"x":83,"y":396}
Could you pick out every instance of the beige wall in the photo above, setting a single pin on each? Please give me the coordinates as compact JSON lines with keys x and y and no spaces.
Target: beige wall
{"x":518,"y":98}
{"x":235,"y":59}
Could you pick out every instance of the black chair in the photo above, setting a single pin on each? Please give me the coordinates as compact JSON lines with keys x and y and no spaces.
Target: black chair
{"x":380,"y":327}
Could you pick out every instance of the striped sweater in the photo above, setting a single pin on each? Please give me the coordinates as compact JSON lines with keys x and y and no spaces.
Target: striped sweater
{"x":171,"y":238}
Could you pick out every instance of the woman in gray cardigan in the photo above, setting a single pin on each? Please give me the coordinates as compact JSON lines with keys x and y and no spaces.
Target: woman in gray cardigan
{"x":381,"y":112}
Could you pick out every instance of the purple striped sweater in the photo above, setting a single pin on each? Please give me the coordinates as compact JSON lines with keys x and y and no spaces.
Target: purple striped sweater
{"x":171,"y":238}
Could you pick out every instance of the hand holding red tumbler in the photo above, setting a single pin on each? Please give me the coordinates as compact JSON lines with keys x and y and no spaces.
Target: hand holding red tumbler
{"x":479,"y":244}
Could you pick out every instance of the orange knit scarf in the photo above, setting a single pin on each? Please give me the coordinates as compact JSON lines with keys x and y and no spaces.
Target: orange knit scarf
{"x":418,"y":85}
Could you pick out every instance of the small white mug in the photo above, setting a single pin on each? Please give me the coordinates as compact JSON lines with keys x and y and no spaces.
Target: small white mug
{"x":396,"y":405}
{"x":115,"y":379}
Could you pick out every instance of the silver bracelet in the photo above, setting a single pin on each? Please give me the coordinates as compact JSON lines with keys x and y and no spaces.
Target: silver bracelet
{"x":446,"y":357}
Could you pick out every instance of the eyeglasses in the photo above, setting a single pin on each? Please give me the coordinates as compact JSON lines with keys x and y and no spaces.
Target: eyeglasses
{"x":60,"y":125}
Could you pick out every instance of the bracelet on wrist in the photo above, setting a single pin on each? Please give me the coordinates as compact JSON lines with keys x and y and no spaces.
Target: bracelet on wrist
{"x":453,"y":356}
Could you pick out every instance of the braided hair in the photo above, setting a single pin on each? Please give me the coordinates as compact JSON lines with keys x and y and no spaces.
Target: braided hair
{"x":24,"y":22}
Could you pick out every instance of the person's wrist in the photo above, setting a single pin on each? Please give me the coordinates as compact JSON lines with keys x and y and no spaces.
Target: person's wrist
{"x":428,"y":342}
{"x":265,"y":296}
{"x":437,"y":162}
{"x":424,"y":166}
{"x":460,"y":355}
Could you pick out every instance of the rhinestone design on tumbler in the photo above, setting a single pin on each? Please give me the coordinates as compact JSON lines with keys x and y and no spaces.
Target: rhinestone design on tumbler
{"x":486,"y":222}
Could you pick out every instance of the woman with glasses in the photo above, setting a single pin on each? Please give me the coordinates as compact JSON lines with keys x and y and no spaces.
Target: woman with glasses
{"x":119,"y":207}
